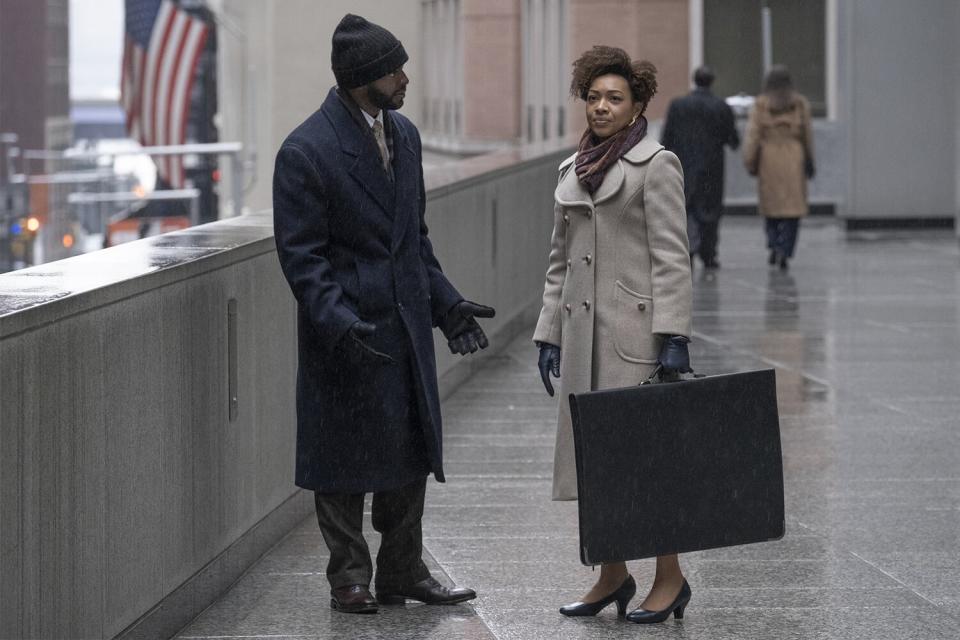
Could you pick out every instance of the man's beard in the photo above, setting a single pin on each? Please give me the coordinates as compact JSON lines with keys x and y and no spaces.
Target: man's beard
{"x":382,"y":100}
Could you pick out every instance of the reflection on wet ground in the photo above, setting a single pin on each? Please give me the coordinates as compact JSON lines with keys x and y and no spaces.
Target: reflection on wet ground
{"x":863,"y":332}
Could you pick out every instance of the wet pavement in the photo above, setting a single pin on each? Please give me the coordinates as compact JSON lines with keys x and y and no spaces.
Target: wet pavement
{"x":863,"y":332}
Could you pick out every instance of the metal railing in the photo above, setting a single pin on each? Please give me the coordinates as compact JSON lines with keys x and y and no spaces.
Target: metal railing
{"x":71,"y":198}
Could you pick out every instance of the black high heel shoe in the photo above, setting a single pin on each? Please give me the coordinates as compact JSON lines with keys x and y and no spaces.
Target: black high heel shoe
{"x":642,"y":616}
{"x":621,"y":596}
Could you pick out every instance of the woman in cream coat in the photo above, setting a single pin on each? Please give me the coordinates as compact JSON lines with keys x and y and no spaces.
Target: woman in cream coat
{"x":778,"y":150}
{"x":617,"y":296}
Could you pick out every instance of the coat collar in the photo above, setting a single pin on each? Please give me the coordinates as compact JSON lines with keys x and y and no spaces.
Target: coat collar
{"x":360,"y":145}
{"x":643,"y":151}
{"x":570,"y":191}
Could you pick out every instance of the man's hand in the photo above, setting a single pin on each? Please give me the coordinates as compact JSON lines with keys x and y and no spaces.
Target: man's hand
{"x":674,"y":357}
{"x":357,"y":345}
{"x":549,"y":363}
{"x":462,"y":331}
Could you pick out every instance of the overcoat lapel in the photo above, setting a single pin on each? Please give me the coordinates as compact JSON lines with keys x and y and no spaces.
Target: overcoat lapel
{"x":374,"y":180}
{"x":611,"y":183}
{"x":571,"y":192}
{"x":365,"y":166}
{"x":406,"y":181}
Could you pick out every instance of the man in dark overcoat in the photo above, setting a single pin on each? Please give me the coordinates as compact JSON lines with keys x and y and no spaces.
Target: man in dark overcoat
{"x":349,"y":206}
{"x":697,"y":127}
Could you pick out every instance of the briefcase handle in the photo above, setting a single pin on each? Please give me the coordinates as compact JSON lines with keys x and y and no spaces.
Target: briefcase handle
{"x":659,"y":370}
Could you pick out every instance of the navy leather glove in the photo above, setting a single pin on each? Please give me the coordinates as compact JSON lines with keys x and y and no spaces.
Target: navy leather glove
{"x":674,"y":357}
{"x":549,"y":363}
{"x":809,"y":169}
{"x":357,"y":347}
{"x":462,"y":331}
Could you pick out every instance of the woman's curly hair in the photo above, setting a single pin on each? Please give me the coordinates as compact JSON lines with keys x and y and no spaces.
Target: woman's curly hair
{"x":641,"y":75}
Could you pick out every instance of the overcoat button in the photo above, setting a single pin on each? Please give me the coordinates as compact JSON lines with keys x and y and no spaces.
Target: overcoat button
{"x":569,"y":263}
{"x":586,"y":305}
{"x":400,"y":306}
{"x":566,"y":218}
{"x":589,"y":213}
{"x":641,"y":306}
{"x":567,"y":307}
{"x":588,"y":258}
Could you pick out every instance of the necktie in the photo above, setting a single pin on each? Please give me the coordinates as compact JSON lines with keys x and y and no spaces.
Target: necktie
{"x":382,"y":144}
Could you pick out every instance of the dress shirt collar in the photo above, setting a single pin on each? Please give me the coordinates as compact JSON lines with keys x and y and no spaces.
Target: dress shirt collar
{"x":370,"y":119}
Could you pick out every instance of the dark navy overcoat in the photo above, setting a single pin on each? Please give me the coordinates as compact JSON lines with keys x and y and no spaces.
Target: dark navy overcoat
{"x":697,"y":127}
{"x":353,"y":246}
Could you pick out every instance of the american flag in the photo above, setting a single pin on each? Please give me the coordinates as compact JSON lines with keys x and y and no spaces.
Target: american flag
{"x":161,"y":49}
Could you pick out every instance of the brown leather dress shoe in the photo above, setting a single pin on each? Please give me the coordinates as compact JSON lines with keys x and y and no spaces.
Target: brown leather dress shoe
{"x":429,"y":591}
{"x":353,"y":598}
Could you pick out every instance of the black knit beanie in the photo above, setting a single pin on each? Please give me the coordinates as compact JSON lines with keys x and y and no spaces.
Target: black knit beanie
{"x":363,"y":52}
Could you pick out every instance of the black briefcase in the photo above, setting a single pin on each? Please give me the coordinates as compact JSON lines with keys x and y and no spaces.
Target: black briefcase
{"x":678,"y":466}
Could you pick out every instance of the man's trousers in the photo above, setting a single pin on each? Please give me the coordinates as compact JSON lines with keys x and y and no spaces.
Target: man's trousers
{"x":396,"y":516}
{"x":782,"y":235}
{"x":703,"y":232}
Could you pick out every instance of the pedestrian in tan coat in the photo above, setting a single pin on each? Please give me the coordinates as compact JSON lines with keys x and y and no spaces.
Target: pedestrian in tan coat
{"x":617,"y":296}
{"x":779,"y":151}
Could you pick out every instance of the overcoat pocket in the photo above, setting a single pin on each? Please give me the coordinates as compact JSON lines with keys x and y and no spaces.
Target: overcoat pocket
{"x":634,"y":340}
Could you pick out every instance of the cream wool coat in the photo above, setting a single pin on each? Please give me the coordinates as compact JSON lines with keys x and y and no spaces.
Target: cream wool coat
{"x":619,"y":275}
{"x":774,"y":150}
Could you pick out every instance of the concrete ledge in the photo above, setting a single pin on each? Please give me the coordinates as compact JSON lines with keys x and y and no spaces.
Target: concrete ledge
{"x":38,"y":296}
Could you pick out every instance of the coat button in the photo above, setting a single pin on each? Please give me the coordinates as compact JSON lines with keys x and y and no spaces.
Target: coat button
{"x":400,"y":306}
{"x":641,"y":306}
{"x":586,"y":305}
{"x":567,"y":307}
{"x":588,"y":258}
{"x":566,"y":218}
{"x":589,"y":214}
{"x":569,"y":263}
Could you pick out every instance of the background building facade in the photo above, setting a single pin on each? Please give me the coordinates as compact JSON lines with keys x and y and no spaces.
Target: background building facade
{"x":35,"y":73}
{"x":485,"y":74}
{"x":34,"y":114}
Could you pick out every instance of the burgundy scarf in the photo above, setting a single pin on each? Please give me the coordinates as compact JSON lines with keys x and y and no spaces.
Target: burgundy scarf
{"x":595,"y":156}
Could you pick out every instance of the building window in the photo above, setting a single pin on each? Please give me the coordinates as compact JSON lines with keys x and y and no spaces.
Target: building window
{"x":443,"y":77}
{"x":544,"y":68}
{"x":733,"y":45}
{"x":443,"y":43}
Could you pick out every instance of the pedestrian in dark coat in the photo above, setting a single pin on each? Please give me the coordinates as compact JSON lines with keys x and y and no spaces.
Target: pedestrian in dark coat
{"x":349,"y":223}
{"x":698,"y":126}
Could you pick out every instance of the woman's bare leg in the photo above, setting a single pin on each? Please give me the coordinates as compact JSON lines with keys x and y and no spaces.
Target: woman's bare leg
{"x":666,"y":584}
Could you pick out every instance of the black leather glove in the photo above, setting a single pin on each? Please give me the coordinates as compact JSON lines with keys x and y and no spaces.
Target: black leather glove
{"x":462,"y":331}
{"x":809,"y":169}
{"x":357,"y":347}
{"x":674,"y":357}
{"x":549,"y":363}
